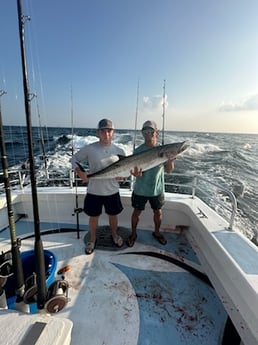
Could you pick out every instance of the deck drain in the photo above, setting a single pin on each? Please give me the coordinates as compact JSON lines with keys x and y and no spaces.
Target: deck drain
{"x":104,"y":238}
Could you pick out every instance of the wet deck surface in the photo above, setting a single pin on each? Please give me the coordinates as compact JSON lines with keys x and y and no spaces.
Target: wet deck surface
{"x":147,"y":294}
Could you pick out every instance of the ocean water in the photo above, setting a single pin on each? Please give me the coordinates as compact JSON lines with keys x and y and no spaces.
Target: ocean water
{"x":230,"y":160}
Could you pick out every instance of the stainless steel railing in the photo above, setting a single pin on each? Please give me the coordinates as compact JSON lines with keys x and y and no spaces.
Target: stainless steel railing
{"x":219,"y":198}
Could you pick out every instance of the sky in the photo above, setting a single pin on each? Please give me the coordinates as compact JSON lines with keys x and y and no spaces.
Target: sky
{"x":191,"y":63}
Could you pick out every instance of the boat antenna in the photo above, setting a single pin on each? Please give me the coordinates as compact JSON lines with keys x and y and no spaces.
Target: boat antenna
{"x":77,"y":209}
{"x":164,"y":108}
{"x":15,"y":247}
{"x":38,"y":247}
{"x":136,"y":115}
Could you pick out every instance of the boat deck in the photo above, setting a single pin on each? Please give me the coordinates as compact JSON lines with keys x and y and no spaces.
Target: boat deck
{"x":147,"y":294}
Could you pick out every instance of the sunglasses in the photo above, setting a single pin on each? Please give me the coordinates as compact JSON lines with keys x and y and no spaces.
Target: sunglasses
{"x":146,"y":131}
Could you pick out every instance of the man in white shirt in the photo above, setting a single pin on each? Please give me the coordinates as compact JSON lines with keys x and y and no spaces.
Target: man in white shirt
{"x":100,"y":192}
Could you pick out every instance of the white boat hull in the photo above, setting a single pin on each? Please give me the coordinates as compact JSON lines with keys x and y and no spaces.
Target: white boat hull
{"x":149,"y":293}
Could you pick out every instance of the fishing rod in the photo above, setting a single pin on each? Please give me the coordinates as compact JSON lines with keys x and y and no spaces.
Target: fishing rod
{"x":132,"y":178}
{"x":163,"y":113}
{"x":77,"y":209}
{"x":3,"y":301}
{"x":15,"y":248}
{"x":38,"y":246}
{"x":41,"y":136}
{"x":136,"y":116}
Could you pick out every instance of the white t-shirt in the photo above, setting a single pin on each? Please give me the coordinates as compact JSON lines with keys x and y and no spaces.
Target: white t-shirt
{"x":99,"y":157}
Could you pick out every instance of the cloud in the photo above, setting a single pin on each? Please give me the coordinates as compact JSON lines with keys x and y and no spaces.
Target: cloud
{"x":247,"y":104}
{"x":154,"y":102}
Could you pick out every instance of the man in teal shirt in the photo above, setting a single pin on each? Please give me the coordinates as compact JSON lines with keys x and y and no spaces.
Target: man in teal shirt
{"x":149,"y":186}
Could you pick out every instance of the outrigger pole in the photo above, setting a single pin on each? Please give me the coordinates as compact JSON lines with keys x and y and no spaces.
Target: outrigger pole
{"x":163,"y":113}
{"x":38,"y":247}
{"x":16,"y":257}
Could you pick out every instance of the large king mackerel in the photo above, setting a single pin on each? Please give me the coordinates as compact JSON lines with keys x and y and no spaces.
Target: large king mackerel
{"x":144,"y":160}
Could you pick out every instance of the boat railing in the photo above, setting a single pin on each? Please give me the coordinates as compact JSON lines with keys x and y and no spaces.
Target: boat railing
{"x":218,"y":197}
{"x":17,"y":179}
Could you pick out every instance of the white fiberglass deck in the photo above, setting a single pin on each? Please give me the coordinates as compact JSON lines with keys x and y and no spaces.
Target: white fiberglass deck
{"x":148,"y":294}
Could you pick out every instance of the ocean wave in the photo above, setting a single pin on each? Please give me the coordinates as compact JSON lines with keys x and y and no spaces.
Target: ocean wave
{"x":228,"y":159}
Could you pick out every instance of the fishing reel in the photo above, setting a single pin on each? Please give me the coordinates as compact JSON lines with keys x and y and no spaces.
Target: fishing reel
{"x":6,"y":265}
{"x":57,"y":296}
{"x":31,"y":289}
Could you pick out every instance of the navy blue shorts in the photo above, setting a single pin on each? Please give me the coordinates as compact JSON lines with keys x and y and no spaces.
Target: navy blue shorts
{"x":139,"y":201}
{"x":93,"y":204}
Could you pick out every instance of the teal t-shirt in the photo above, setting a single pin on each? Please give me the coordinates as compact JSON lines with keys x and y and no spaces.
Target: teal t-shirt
{"x":151,"y":183}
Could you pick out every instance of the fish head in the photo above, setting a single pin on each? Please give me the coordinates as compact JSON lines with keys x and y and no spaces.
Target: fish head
{"x":170,"y":151}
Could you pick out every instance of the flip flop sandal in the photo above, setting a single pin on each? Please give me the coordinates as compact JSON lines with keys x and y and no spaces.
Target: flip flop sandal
{"x":118,"y":241}
{"x":131,"y":240}
{"x":90,"y":246}
{"x":160,"y":238}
